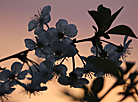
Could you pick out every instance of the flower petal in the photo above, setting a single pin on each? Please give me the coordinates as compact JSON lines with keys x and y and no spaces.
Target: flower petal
{"x":125,"y":39}
{"x":110,"y":48}
{"x":53,"y":33}
{"x":45,"y":10}
{"x":31,"y":25}
{"x":64,"y":80}
{"x":39,"y":29}
{"x":5,"y":74}
{"x":47,"y":18}
{"x":93,"y":50}
{"x":60,"y":69}
{"x":61,"y":24}
{"x":29,"y":43}
{"x":16,"y":67}
{"x":38,"y":53}
{"x":22,"y":75}
{"x":80,"y":82}
{"x":67,"y":40}
{"x":70,"y":30}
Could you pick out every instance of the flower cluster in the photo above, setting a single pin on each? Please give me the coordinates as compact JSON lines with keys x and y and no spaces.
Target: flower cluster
{"x":57,"y":44}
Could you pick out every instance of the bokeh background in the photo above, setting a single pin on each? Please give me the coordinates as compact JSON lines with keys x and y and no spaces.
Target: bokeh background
{"x":14,"y":18}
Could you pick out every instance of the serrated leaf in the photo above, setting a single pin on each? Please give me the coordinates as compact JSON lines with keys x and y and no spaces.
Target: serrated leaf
{"x":107,"y":23}
{"x":105,"y":65}
{"x":97,"y":18}
{"x":97,"y":85}
{"x":122,"y":30}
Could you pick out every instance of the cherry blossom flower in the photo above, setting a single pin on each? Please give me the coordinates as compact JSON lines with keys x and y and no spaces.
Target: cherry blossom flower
{"x":32,"y":88}
{"x":59,"y":70}
{"x":62,"y":29}
{"x":5,"y":89}
{"x":42,"y":41}
{"x":126,"y":48}
{"x":59,"y":50}
{"x":14,"y":73}
{"x":40,"y":19}
{"x":45,"y":72}
{"x":74,"y":80}
{"x":112,"y":54}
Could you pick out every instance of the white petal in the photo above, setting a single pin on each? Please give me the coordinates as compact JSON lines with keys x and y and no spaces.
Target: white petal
{"x":48,"y":64}
{"x":46,"y":18}
{"x":93,"y":50}
{"x":127,"y":44}
{"x":69,"y":50}
{"x":31,"y":25}
{"x":33,"y":70}
{"x":16,"y":67}
{"x":22,"y":75}
{"x":67,"y":40}
{"x":53,"y":33}
{"x":70,"y":30}
{"x":38,"y":53}
{"x":39,"y":29}
{"x":80,"y":82}
{"x":110,"y":48}
{"x":61,"y":24}
{"x":58,"y":46}
{"x":29,"y":43}
{"x":45,"y":10}
{"x":42,"y":76}
{"x":42,"y":66}
{"x":48,"y":50}
{"x":5,"y":74}
{"x":79,"y":72}
{"x":125,"y":39}
{"x":64,"y":80}
{"x":60,"y":69}
{"x":44,"y":38}
{"x":99,"y":74}
{"x":51,"y":58}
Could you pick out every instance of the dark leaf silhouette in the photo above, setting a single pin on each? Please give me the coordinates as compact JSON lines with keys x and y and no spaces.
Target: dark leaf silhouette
{"x":122,"y":30}
{"x":97,"y":85}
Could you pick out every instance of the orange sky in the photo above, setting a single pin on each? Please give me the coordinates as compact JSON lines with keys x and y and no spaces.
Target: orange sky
{"x":15,"y":15}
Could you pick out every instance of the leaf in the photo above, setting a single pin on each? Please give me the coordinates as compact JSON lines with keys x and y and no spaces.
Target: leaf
{"x":105,"y":65}
{"x":122,"y":30}
{"x":97,"y":18}
{"x":97,"y":85}
{"x":107,"y":23}
{"x":106,"y":12}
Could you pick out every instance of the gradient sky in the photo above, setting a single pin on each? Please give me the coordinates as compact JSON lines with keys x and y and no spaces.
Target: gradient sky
{"x":15,"y":15}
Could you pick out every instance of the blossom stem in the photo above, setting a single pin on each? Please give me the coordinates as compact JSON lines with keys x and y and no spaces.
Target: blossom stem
{"x":62,"y":60}
{"x":30,"y":69}
{"x":81,"y":59}
{"x":15,"y":55}
{"x":96,"y":51}
{"x":47,"y":25}
{"x":109,"y":43}
{"x":73,"y":61}
{"x":35,"y":64}
{"x":83,"y":40}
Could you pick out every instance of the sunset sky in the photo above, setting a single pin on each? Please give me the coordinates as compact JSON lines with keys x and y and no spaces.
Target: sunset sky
{"x":14,"y":18}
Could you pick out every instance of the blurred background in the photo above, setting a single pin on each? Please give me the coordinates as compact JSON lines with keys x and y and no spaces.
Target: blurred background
{"x":14,"y":18}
